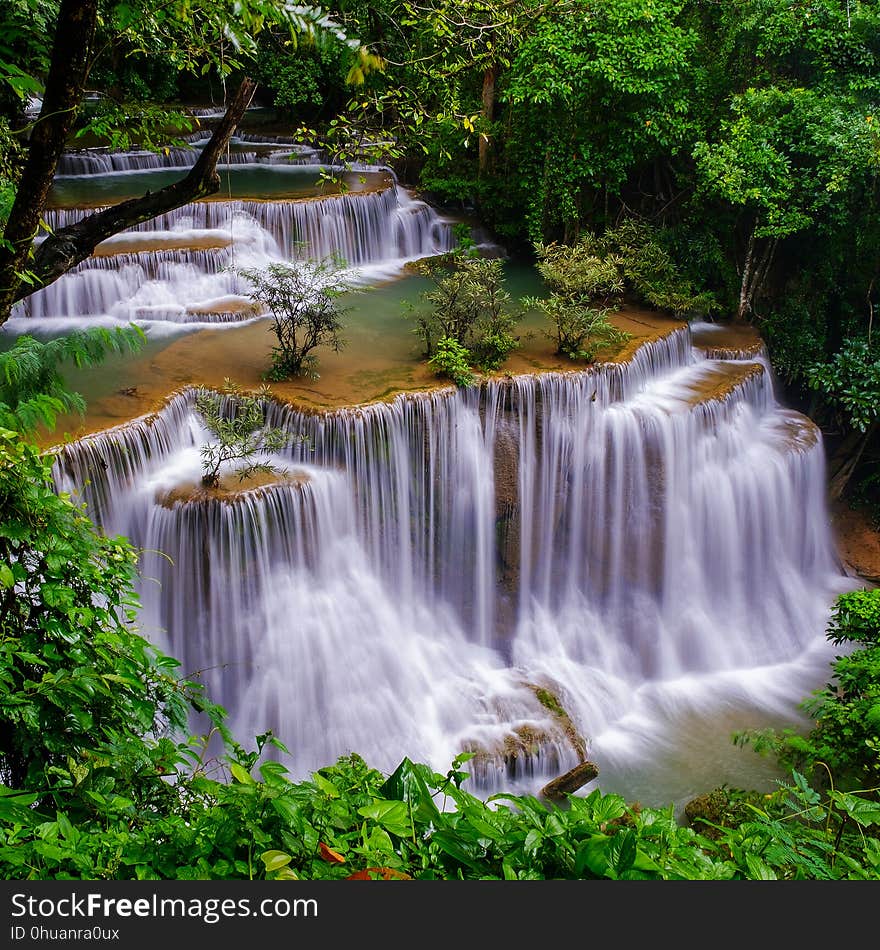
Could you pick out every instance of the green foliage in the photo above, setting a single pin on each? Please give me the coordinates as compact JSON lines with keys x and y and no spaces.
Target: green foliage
{"x":303,"y":300}
{"x":237,"y":423}
{"x":578,"y":331}
{"x":11,"y":157}
{"x":306,"y":81}
{"x":795,"y":331}
{"x":128,"y":125}
{"x":214,"y":35}
{"x":790,"y":155}
{"x":25,"y":32}
{"x":349,"y":821}
{"x":595,"y":93}
{"x":845,"y":741}
{"x":452,"y":360}
{"x":582,"y":282}
{"x":850,"y":382}
{"x":651,"y":273}
{"x":856,"y":617}
{"x":799,"y":833}
{"x":588,"y":271}
{"x":591,"y":277}
{"x":32,"y":388}
{"x":469,"y":307}
{"x":76,"y":684}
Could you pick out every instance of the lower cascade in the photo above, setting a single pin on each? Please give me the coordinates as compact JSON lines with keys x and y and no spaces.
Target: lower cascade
{"x":626,"y":563}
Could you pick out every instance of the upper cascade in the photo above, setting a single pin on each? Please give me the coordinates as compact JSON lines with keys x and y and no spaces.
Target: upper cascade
{"x":645,"y":541}
{"x":182,"y":271}
{"x":243,"y":150}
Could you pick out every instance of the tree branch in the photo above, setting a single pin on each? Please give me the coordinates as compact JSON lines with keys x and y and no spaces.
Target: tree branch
{"x":69,"y":246}
{"x":74,"y":34}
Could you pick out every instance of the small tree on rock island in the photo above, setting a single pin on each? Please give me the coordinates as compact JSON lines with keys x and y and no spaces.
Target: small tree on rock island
{"x":237,"y":422}
{"x":303,"y":300}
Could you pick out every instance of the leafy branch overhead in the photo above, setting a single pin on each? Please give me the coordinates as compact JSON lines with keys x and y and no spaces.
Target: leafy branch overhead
{"x":33,"y":391}
{"x":209,"y":36}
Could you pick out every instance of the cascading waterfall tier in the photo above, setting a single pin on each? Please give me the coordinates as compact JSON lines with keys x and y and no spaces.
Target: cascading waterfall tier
{"x":244,"y":150}
{"x":645,"y":543}
{"x":180,"y":268}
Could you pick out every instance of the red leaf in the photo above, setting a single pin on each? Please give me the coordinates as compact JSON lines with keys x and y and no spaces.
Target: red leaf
{"x":387,"y":874}
{"x":328,"y":854}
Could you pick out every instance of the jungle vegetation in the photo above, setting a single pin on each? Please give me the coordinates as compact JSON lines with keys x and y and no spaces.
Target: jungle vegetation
{"x":712,"y":159}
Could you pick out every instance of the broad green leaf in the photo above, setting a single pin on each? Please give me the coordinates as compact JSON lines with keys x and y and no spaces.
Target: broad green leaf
{"x":274,"y":860}
{"x":758,"y":870}
{"x":393,"y":816}
{"x":859,"y":809}
{"x":241,"y":774}
{"x":325,"y":785}
{"x":592,"y":856}
{"x":408,"y":783}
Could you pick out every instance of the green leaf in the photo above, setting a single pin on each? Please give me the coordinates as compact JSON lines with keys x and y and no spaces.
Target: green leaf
{"x":408,"y":783}
{"x":622,"y":850}
{"x":862,"y":811}
{"x":534,"y":840}
{"x":593,"y":855}
{"x":758,"y":870}
{"x":393,"y":816}
{"x":452,"y":845}
{"x":241,"y":774}
{"x":325,"y":785}
{"x":274,"y":860}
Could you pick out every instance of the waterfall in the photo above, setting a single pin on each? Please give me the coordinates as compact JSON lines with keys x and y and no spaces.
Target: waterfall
{"x":646,"y":542}
{"x":176,"y":269}
{"x":244,"y":150}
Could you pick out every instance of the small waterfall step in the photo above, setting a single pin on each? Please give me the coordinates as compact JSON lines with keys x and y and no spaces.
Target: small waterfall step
{"x":725,"y":341}
{"x":180,"y":270}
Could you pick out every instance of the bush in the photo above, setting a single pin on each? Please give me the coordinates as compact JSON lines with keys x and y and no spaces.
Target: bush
{"x":303,"y":300}
{"x":846,"y":737}
{"x":237,"y":422}
{"x":452,"y":360}
{"x":76,"y":681}
{"x":588,"y":279}
{"x":577,"y":330}
{"x":469,"y":305}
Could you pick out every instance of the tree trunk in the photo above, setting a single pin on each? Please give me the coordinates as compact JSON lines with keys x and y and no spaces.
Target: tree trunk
{"x":744,"y":295}
{"x":756,"y":268}
{"x":68,"y":71}
{"x":69,"y":246}
{"x":490,"y":74}
{"x":850,"y":455}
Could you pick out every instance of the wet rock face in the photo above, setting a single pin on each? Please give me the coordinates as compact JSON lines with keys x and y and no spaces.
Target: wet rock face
{"x":541,"y":745}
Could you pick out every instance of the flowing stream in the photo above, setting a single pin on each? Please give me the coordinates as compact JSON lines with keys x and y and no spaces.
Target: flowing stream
{"x":180,"y":270}
{"x":628,"y":562}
